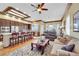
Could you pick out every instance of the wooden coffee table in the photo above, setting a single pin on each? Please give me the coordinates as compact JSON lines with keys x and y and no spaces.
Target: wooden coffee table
{"x":40,"y":46}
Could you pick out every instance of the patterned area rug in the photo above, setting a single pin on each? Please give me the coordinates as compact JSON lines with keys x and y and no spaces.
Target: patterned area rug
{"x":26,"y":51}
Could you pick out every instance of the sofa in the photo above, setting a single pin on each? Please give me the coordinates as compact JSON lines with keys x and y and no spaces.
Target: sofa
{"x":57,"y":47}
{"x":51,"y":35}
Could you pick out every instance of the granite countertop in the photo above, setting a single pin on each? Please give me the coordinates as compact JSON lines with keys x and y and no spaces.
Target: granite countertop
{"x":5,"y":33}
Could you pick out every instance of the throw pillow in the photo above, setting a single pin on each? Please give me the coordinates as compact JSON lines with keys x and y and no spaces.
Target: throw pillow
{"x":68,"y":47}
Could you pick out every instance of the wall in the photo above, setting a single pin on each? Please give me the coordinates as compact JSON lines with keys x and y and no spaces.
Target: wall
{"x":40,"y":26}
{"x":6,"y":21}
{"x":53,"y":25}
{"x":74,"y":8}
{"x":68,"y":25}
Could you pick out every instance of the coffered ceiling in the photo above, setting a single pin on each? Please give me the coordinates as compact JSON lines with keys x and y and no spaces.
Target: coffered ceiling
{"x":55,"y":10}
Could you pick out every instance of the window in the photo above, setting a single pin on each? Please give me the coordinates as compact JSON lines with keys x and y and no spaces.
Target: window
{"x":35,"y":27}
{"x":76,"y":22}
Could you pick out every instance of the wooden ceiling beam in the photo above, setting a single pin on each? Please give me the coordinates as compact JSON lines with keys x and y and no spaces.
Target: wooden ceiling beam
{"x":11,"y":8}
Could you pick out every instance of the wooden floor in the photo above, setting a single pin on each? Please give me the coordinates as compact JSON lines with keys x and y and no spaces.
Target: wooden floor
{"x":4,"y":51}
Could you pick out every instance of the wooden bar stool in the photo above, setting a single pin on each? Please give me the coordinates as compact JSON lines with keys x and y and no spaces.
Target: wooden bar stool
{"x":14,"y":39}
{"x":26,"y":36}
{"x":30,"y":36}
{"x":22,"y":36}
{"x":1,"y":37}
{"x":1,"y":41}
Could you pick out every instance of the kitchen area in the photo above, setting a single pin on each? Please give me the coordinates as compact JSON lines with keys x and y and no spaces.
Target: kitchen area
{"x":11,"y":21}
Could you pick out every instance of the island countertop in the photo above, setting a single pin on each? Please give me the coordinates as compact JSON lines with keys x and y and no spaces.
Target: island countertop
{"x":5,"y":33}
{"x":6,"y":39}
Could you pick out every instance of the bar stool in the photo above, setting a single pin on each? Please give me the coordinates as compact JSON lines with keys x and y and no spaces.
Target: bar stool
{"x":1,"y":41}
{"x":14,"y":39}
{"x":30,"y":36}
{"x":1,"y":37}
{"x":21,"y":36}
{"x":25,"y":36}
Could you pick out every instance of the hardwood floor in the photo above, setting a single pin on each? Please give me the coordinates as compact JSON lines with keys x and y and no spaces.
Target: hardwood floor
{"x":4,"y":51}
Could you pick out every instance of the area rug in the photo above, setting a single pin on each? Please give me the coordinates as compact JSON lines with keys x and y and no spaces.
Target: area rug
{"x":26,"y":51}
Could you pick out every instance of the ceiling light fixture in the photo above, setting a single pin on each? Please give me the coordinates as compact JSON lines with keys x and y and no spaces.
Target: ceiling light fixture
{"x":39,"y":7}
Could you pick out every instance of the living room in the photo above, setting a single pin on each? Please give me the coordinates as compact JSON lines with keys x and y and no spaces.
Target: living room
{"x":31,"y":31}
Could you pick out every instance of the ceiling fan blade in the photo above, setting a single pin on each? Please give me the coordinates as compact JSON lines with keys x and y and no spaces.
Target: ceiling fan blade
{"x":44,"y":9}
{"x":42,"y":4}
{"x":38,"y":5}
{"x":33,"y":5}
{"x":34,"y":10}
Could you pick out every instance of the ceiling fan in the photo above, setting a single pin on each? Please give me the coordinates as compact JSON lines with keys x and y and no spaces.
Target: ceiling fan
{"x":39,"y":7}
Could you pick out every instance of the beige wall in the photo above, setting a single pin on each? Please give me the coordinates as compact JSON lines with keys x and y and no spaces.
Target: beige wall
{"x":45,"y":25}
{"x":74,"y":7}
{"x":41,"y":26}
{"x":51,"y":23}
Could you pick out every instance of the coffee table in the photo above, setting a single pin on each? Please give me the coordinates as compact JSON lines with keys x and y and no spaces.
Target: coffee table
{"x":40,"y":46}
